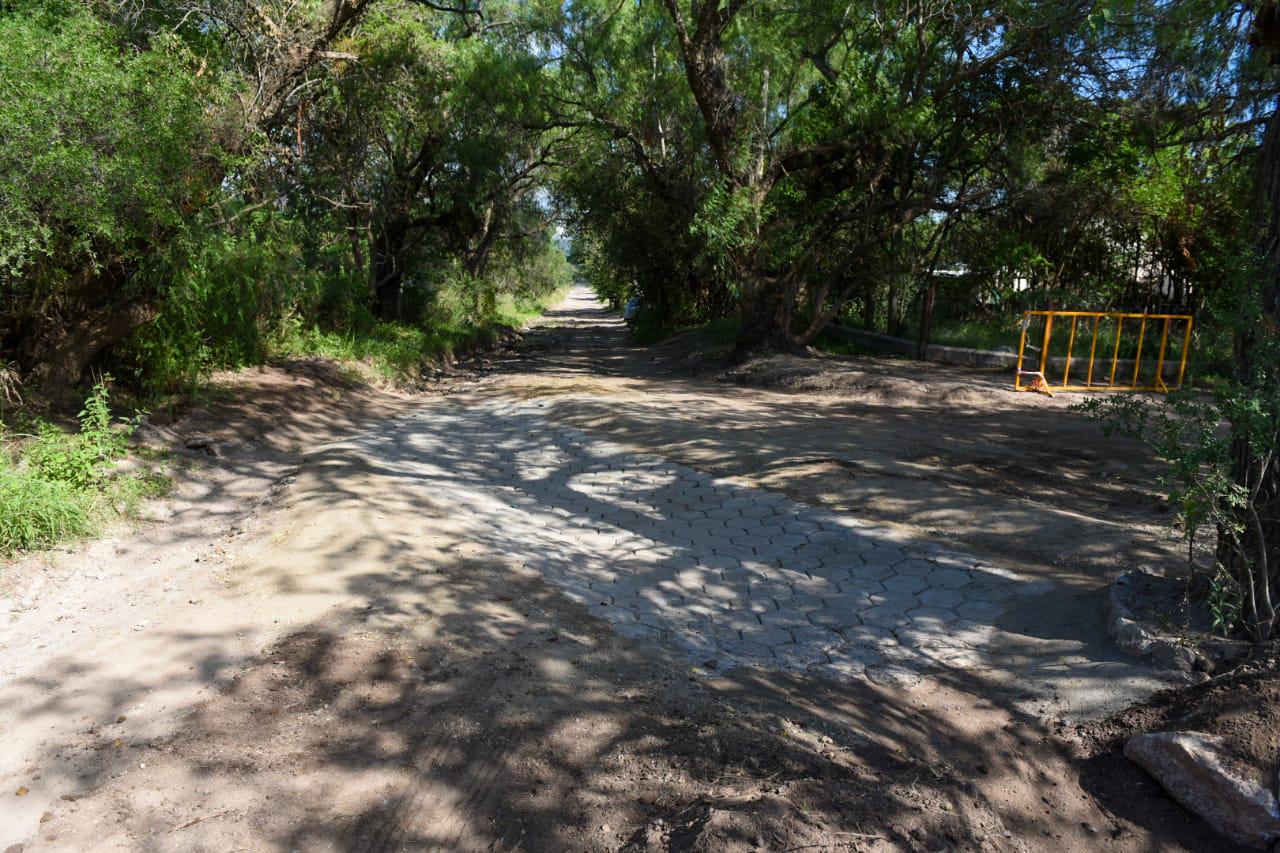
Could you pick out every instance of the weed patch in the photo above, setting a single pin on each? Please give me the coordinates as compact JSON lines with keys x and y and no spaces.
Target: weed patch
{"x":57,"y":484}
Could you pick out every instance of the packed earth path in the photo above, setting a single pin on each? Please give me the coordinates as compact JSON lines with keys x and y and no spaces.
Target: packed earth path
{"x":508,"y":618}
{"x":731,"y":575}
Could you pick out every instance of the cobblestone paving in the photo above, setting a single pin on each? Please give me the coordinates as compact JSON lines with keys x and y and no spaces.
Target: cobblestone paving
{"x":730,"y":574}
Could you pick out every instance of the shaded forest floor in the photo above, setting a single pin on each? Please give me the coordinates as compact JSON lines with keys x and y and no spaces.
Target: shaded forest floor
{"x":311,"y":649}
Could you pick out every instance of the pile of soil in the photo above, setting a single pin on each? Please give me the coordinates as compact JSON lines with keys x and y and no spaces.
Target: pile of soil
{"x":817,"y":373}
{"x":1241,"y":707}
{"x":886,"y":381}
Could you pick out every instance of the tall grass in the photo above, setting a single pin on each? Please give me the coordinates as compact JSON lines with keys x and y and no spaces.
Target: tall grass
{"x":57,"y":484}
{"x":38,"y":513}
{"x":397,"y":351}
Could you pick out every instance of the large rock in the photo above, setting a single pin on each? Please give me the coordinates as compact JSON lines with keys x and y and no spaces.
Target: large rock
{"x":1195,"y":769}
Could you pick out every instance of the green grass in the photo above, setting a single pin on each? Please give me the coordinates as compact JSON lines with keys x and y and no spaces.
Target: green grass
{"x":837,"y":346}
{"x":58,"y":484}
{"x":645,"y":329}
{"x":397,"y":351}
{"x":723,"y":331}
{"x":124,"y":496}
{"x":988,"y":335}
{"x":38,"y":513}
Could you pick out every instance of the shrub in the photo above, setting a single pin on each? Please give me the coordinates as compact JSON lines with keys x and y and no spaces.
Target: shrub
{"x":37,"y":513}
{"x":55,"y":485}
{"x":78,"y":459}
{"x":103,"y":153}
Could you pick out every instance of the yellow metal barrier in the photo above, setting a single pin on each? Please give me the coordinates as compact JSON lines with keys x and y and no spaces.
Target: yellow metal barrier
{"x":1040,"y":378}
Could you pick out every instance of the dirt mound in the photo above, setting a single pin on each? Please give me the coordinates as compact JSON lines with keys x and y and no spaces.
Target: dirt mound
{"x":1243,"y":708}
{"x":273,"y":408}
{"x":884,"y":381}
{"x":818,"y":373}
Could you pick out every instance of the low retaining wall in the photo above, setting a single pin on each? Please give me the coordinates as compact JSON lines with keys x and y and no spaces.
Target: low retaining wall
{"x":889,"y":345}
{"x":882,"y":344}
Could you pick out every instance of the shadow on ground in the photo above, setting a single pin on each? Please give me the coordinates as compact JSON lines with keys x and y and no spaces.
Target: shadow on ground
{"x":455,"y":701}
{"x":462,"y":704}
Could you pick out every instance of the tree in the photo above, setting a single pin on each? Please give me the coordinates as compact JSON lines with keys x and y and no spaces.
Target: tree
{"x":1249,"y":539}
{"x":103,"y":155}
{"x":429,"y":146}
{"x":815,"y":134}
{"x":136,"y":119}
{"x":1213,"y":96}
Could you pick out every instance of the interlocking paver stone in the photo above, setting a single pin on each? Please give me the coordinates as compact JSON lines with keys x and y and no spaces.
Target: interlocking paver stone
{"x":978,"y":609}
{"x":932,"y":616}
{"x":901,"y":600}
{"x":801,"y":527}
{"x":840,"y":614}
{"x":948,"y":578}
{"x":742,"y":575}
{"x":872,"y":572}
{"x":941,"y":597}
{"x":767,"y":635}
{"x":903,"y":583}
{"x":918,"y":568}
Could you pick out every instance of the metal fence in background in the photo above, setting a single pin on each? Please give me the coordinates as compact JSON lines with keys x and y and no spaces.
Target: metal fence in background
{"x":1107,"y":328}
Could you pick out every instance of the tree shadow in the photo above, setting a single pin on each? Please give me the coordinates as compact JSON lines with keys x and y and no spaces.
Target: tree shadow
{"x":461,"y":702}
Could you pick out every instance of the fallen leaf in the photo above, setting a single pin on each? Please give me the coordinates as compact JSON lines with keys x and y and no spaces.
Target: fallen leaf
{"x":22,"y":791}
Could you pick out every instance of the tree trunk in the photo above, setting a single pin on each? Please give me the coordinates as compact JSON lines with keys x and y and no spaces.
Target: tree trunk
{"x":476,"y":260}
{"x":57,"y":345}
{"x":892,"y":321}
{"x":62,"y":353}
{"x":386,"y":274}
{"x":766,"y":320}
{"x":927,"y":299}
{"x":354,"y":228}
{"x":1254,"y":557}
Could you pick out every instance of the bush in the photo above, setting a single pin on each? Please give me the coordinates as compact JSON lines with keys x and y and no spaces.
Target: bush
{"x":37,"y":513}
{"x":103,"y":152}
{"x":452,"y":312}
{"x":77,"y":459}
{"x":55,"y":485}
{"x":223,"y":294}
{"x":1222,"y":474}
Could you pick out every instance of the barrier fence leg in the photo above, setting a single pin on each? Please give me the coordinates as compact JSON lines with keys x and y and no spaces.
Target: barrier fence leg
{"x":1093,"y":348}
{"x":1071,"y":342}
{"x":1164,"y":342}
{"x":1044,"y":347}
{"x":1115,"y":353}
{"x":1022,"y":347}
{"x":1137,"y":359}
{"x":1186,"y":348}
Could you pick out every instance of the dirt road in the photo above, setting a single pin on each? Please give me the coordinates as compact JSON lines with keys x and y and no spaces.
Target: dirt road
{"x":591,"y":602}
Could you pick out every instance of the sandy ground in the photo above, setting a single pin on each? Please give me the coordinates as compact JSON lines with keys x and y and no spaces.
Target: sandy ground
{"x":305,"y":655}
